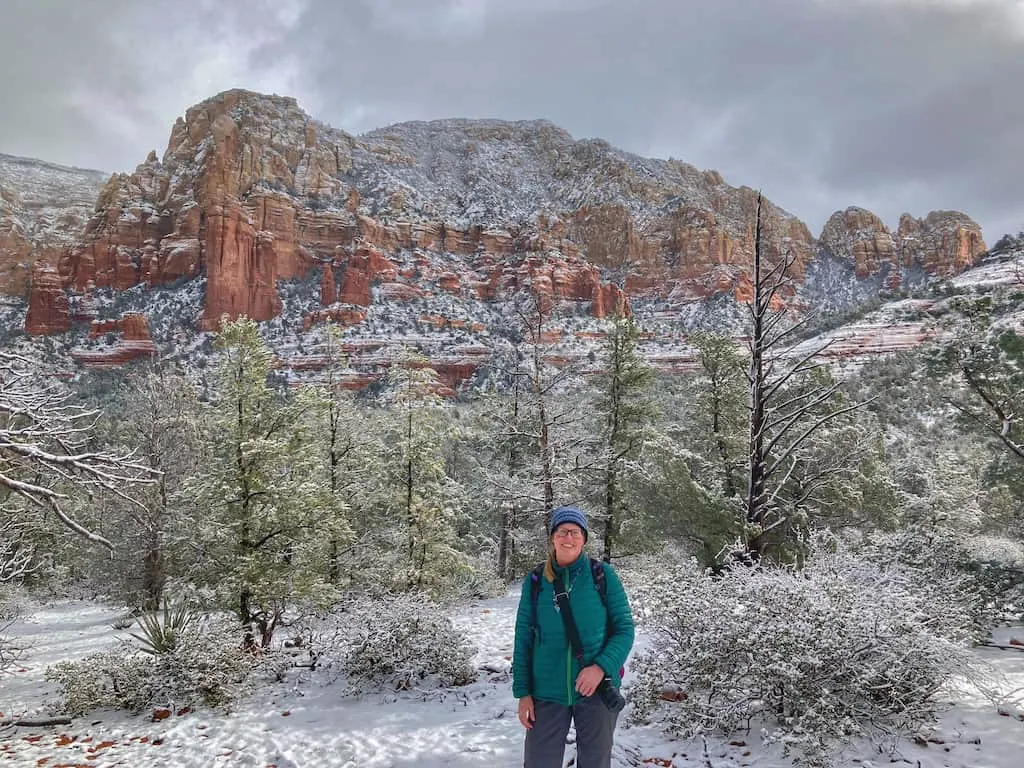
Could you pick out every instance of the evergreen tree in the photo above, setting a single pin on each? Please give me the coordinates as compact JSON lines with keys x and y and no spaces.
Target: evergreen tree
{"x":418,"y":494}
{"x":343,"y":437}
{"x":264,"y":515}
{"x":624,"y":412}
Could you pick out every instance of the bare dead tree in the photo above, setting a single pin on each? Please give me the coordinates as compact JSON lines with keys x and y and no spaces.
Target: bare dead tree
{"x":45,"y":456}
{"x":782,"y":418}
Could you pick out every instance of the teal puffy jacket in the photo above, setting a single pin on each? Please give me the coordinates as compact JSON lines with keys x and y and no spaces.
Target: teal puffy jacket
{"x":554,"y":669}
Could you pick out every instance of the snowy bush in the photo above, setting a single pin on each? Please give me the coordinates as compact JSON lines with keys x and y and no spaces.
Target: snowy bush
{"x":402,"y":642}
{"x":206,"y":665}
{"x":814,"y":655}
{"x":988,"y":568}
{"x":10,"y":611}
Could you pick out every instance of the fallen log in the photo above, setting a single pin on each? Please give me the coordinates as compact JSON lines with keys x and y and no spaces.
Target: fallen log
{"x":31,"y":722}
{"x":1004,"y":647}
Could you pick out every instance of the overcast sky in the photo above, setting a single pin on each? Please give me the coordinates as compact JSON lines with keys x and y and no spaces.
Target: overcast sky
{"x":893,"y":105}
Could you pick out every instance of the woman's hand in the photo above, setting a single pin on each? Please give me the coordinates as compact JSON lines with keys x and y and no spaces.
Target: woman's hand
{"x":588,"y":679}
{"x":526,"y":713}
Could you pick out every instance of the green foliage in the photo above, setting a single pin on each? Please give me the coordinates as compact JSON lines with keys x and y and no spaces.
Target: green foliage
{"x":266,"y":517}
{"x":623,"y":410}
{"x":417,"y":491}
{"x":206,"y":665}
{"x":159,"y":631}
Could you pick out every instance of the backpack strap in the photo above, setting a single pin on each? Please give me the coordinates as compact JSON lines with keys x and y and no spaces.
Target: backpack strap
{"x":597,"y":569}
{"x":535,"y":577}
{"x":601,"y":585}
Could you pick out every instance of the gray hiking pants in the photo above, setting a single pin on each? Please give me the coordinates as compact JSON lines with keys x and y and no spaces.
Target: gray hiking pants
{"x":595,"y":725}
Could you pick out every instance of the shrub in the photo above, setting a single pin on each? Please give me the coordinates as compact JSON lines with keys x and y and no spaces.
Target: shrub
{"x":816,"y":655}
{"x":402,"y":642}
{"x":10,"y":611}
{"x":206,"y":665}
{"x":990,"y":568}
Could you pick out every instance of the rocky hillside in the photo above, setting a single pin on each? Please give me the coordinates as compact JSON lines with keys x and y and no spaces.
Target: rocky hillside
{"x":256,"y":208}
{"x":43,"y":212}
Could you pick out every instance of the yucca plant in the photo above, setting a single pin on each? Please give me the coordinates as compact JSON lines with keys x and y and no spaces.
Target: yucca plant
{"x":160,"y":630}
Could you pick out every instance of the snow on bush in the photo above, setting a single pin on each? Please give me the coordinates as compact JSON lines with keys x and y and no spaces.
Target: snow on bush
{"x":10,"y":611}
{"x":815,"y":655}
{"x":989,"y":568}
{"x":205,"y":666}
{"x":401,"y":642}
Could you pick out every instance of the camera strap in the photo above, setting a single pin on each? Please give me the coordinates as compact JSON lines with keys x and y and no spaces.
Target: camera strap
{"x":562,"y":598}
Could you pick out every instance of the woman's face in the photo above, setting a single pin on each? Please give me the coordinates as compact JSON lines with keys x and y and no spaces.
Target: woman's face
{"x":568,"y":540}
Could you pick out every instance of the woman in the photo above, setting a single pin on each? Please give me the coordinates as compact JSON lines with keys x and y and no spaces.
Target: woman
{"x":552,"y":688}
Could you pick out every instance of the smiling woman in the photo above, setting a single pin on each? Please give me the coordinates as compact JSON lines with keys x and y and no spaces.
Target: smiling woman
{"x":574,"y":630}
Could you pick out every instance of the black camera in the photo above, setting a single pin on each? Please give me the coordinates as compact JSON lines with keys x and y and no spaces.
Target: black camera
{"x":610,"y":695}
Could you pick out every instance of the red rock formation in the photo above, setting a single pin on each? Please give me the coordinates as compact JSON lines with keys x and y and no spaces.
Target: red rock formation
{"x":862,"y":237}
{"x":341,"y":316}
{"x":251,"y":190}
{"x":943,"y":243}
{"x":134,"y":342}
{"x":48,"y":309}
{"x":450,"y":282}
{"x":43,"y":210}
{"x":240,"y":270}
{"x":400,"y":292}
{"x":362,"y":268}
{"x":328,"y":291}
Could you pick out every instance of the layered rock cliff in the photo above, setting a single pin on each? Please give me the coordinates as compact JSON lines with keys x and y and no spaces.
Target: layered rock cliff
{"x":43,"y":210}
{"x":253,"y":194}
{"x":251,"y":190}
{"x":943,"y":243}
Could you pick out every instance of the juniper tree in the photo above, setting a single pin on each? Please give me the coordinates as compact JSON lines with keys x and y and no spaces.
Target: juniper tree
{"x":505,"y":455}
{"x":719,"y":405}
{"x":263,"y":515}
{"x":624,"y":412}
{"x":417,"y":489}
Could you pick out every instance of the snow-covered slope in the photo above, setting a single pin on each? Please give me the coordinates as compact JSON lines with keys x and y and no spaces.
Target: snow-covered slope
{"x":55,"y":201}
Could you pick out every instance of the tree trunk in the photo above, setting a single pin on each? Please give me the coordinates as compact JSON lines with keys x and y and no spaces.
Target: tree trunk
{"x":755,"y":501}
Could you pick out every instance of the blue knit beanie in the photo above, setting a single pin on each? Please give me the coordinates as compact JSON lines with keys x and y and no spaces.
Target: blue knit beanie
{"x":569,"y":515}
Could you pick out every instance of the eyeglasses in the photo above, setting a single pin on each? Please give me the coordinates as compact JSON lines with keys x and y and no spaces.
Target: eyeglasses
{"x":567,"y":533}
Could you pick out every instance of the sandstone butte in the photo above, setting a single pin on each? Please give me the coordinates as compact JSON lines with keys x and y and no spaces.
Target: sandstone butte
{"x":251,"y":190}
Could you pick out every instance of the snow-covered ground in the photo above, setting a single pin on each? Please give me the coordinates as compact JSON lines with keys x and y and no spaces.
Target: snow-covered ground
{"x":306,"y":721}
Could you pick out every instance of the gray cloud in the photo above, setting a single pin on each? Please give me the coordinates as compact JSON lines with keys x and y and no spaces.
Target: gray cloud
{"x":895,"y":105}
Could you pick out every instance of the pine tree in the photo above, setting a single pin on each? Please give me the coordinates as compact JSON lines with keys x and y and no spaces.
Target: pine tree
{"x":343,"y":438}
{"x":624,"y":411}
{"x":264,"y":515}
{"x":417,"y":491}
